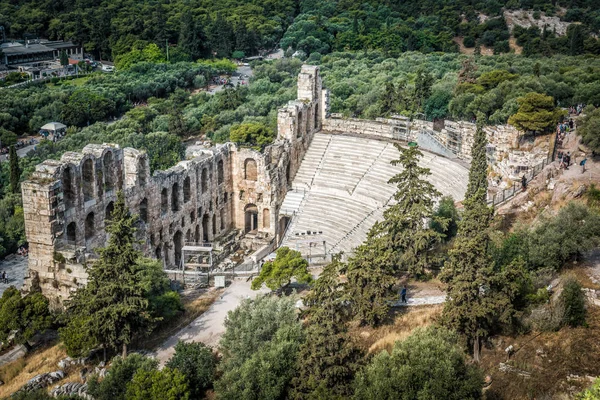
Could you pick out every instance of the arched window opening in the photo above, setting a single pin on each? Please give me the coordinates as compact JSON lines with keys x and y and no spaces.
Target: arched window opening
{"x":188,"y":235}
{"x":109,"y":211}
{"x":250,"y":169}
{"x":89,"y":226}
{"x":192,"y":216}
{"x":222,"y":218}
{"x":205,"y":222}
{"x":225,"y":197}
{"x":266,"y":218}
{"x":144,"y":210}
{"x":178,"y":246}
{"x":87,"y":174}
{"x":166,"y":254}
{"x":214,"y":225}
{"x":158,"y":253}
{"x":175,"y":197}
{"x":197,"y":234}
{"x":316,"y":121}
{"x":288,"y":174}
{"x":109,"y":174}
{"x":251,"y":218}
{"x":164,"y":201}
{"x":220,"y":172}
{"x":67,"y":184}
{"x":72,"y":233}
{"x":142,"y":171}
{"x":204,"y":180}
{"x":186,"y":189}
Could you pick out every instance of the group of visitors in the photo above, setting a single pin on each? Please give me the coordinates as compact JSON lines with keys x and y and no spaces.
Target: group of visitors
{"x":23,"y":251}
{"x":56,"y":135}
{"x":563,"y":129}
{"x":576,"y":110}
{"x":19,"y":145}
{"x":564,"y":160}
{"x":4,"y":277}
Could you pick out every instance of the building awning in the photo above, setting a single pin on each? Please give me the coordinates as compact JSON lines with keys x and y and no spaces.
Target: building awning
{"x":53,"y":126}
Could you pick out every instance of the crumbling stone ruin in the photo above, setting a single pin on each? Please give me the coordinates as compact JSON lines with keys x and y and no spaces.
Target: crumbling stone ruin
{"x":217,"y":200}
{"x":220,"y":197}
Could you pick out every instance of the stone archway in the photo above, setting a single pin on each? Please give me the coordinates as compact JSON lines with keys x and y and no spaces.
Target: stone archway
{"x":178,"y":244}
{"x":251,"y":218}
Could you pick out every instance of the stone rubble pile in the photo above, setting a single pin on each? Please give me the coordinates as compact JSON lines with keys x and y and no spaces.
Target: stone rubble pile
{"x":71,"y":389}
{"x":42,"y":380}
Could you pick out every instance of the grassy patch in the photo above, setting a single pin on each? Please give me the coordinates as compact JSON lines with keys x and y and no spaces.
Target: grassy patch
{"x":404,"y":321}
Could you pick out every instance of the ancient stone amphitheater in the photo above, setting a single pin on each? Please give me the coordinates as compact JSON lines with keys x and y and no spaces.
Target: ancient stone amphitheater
{"x":318,"y":188}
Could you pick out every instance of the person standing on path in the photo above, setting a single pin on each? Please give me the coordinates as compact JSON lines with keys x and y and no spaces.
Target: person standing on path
{"x":524,"y":182}
{"x":582,"y":163}
{"x":403,"y":295}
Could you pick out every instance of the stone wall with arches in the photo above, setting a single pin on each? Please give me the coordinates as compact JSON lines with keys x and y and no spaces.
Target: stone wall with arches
{"x":215,"y":193}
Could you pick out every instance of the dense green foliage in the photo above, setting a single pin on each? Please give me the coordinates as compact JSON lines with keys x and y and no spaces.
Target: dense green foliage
{"x":278,"y":273}
{"x":429,"y":364}
{"x":200,"y":27}
{"x":589,"y":128}
{"x":360,"y":84}
{"x":121,"y":372}
{"x":123,"y":295}
{"x":260,"y":349}
{"x":592,"y":393}
{"x":12,"y":223}
{"x":446,"y":210}
{"x":572,"y":299}
{"x":164,"y":384}
{"x":26,"y":315}
{"x":198,"y":363}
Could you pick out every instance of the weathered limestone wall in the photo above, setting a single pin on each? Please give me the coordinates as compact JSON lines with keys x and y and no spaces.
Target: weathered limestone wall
{"x":213,"y":193}
{"x":389,"y":128}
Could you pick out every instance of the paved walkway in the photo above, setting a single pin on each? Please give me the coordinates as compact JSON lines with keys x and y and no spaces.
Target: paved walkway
{"x":16,"y":269}
{"x":209,"y":327}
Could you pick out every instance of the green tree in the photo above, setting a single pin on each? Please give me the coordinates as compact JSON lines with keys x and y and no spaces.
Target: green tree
{"x":165,"y":384}
{"x":429,"y":364}
{"x":260,"y":349}
{"x":328,"y":358}
{"x":197,"y":363}
{"x":477,"y":295}
{"x":114,"y":385}
{"x":15,"y":171}
{"x":64,"y":59}
{"x":423,"y":84}
{"x":536,"y":113}
{"x":251,"y":133}
{"x":113,"y":305}
{"x":573,"y":300}
{"x":446,"y":210}
{"x":588,"y":127}
{"x":278,"y":273}
{"x":86,"y":106}
{"x":24,"y":315}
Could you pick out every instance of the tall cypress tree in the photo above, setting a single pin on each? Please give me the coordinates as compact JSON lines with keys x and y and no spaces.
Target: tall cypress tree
{"x":112,"y":308}
{"x":477,"y":297}
{"x":15,"y":171}
{"x":328,"y":358}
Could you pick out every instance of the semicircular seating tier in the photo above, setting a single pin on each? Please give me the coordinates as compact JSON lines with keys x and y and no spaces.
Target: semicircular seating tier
{"x":341,"y":189}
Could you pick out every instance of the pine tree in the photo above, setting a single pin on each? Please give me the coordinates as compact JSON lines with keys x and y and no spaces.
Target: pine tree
{"x":111,"y":309}
{"x":407,"y":221}
{"x":328,"y":358}
{"x":15,"y":171}
{"x":477,"y":297}
{"x":478,"y":171}
{"x":370,"y":278}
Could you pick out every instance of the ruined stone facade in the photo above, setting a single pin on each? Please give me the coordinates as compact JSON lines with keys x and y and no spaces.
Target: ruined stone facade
{"x":217,"y":195}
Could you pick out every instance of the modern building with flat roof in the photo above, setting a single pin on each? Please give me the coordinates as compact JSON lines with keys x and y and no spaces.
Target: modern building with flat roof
{"x":15,"y":53}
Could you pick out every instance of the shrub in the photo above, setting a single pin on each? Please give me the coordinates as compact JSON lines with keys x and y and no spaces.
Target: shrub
{"x":114,"y":385}
{"x":572,"y":299}
{"x":198,"y":363}
{"x":469,"y":41}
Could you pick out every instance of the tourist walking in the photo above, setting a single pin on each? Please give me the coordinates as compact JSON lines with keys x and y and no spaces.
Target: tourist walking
{"x":582,"y":163}
{"x":567,"y":160}
{"x":403,"y":294}
{"x":4,"y":277}
{"x":524,"y":183}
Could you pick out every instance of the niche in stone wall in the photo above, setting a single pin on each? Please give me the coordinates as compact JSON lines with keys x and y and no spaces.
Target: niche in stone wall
{"x":144,"y":210}
{"x":250,"y":170}
{"x":175,"y":197}
{"x":222,"y":218}
{"x":87,"y":173}
{"x":204,"y":180}
{"x":205,"y":222}
{"x":72,"y":232}
{"x":67,"y":183}
{"x":299,"y":126}
{"x":316,"y":120}
{"x":89,"y":226}
{"x":178,"y":245}
{"x":164,"y":201}
{"x":220,"y":172}
{"x":251,"y":218}
{"x":266,"y":218}
{"x":186,"y":189}
{"x":109,"y":173}
{"x":109,"y":211}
